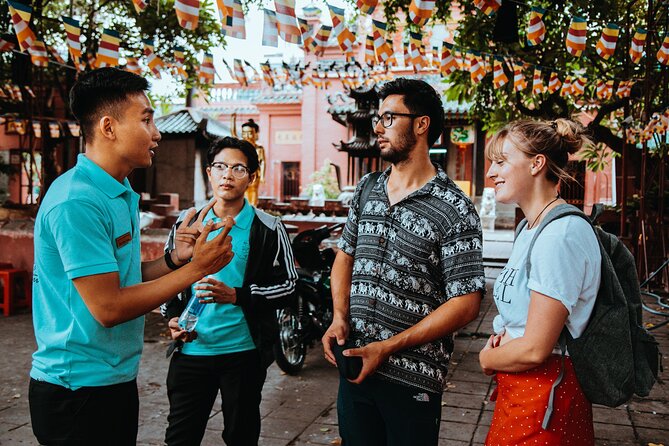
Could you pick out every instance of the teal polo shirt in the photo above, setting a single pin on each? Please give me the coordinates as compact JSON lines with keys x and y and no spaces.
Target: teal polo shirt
{"x":88,"y":223}
{"x":222,"y":328}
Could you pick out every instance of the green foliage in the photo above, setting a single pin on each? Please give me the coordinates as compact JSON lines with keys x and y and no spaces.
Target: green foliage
{"x":327,"y":178}
{"x":596,"y":157}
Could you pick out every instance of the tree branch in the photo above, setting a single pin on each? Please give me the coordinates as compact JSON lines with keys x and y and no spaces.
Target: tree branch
{"x":536,"y":113}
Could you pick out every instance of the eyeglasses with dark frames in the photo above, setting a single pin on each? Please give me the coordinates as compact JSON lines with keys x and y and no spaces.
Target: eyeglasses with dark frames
{"x":387,"y":118}
{"x":239,"y":171}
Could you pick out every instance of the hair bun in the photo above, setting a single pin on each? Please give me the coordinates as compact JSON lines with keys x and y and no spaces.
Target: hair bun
{"x":572,"y":134}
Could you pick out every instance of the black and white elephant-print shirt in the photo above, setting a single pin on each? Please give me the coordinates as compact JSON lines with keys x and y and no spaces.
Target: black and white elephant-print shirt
{"x":409,"y":259}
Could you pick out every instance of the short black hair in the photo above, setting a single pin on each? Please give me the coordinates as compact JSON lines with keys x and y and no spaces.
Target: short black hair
{"x":230,"y":142}
{"x":251,"y":123}
{"x":421,"y":99}
{"x":101,"y":92}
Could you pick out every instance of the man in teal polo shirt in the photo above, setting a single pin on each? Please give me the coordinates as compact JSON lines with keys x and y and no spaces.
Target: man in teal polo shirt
{"x":90,"y":288}
{"x":231,"y":347}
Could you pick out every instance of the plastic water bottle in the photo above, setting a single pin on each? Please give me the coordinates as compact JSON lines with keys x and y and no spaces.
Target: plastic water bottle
{"x":188,"y":319}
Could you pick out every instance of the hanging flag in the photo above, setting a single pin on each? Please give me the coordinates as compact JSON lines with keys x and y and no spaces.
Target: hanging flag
{"x":536,"y":30}
{"x":436,"y":61}
{"x":54,"y":130}
{"x":231,"y":14}
{"x":6,"y":45}
{"x":154,"y":62}
{"x":448,"y":63}
{"x":370,"y":57}
{"x":624,"y":89}
{"x":56,"y":55}
{"x":519,"y":82}
{"x":140,"y":5}
{"x":488,"y":7}
{"x":73,"y":34}
{"x":476,"y":69}
{"x":576,"y":36}
{"x":230,"y":71}
{"x":566,"y":87}
{"x":499,"y":78}
{"x":604,"y":90}
{"x":180,"y":63}
{"x":663,"y":52}
{"x":132,"y":65}
{"x":270,"y":32}
{"x":240,"y":74}
{"x":420,"y":11}
{"x":382,"y":50}
{"x":417,"y":52}
{"x":578,"y":86}
{"x":37,"y":125}
{"x":255,"y":76}
{"x":554,"y":83}
{"x":344,"y":35}
{"x":537,"y":82}
{"x":206,"y":73}
{"x":285,"y":16}
{"x":20,"y":14}
{"x":108,"y":49}
{"x":307,"y":32}
{"x":638,"y":42}
{"x":267,"y":73}
{"x":38,"y":54}
{"x":320,"y":41}
{"x":367,"y":6}
{"x":188,"y":13}
{"x":606,"y":45}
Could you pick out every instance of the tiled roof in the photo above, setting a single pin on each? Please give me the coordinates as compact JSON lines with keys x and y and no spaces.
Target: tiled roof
{"x":280,"y":98}
{"x":242,"y":109}
{"x":188,"y":121}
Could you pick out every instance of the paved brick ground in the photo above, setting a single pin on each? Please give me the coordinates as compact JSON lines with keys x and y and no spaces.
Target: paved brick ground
{"x":301,"y":410}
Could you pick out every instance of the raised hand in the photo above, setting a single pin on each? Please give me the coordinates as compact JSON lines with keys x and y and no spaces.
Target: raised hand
{"x":210,"y":256}
{"x":187,"y":233}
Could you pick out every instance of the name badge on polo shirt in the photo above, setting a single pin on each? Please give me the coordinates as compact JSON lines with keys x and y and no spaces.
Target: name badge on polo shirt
{"x":123,"y":240}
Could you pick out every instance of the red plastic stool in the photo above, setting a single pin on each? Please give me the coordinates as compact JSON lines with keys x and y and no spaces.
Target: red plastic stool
{"x":15,"y":290}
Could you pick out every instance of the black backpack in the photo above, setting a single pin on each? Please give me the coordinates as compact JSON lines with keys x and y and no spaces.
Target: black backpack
{"x":615,"y":357}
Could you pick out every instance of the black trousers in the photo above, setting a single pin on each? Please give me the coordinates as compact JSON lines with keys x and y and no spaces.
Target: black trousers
{"x":380,"y":413}
{"x":105,"y":415}
{"x":193,"y":382}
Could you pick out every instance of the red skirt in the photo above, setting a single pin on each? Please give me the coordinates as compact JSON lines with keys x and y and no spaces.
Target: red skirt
{"x":522,"y":399}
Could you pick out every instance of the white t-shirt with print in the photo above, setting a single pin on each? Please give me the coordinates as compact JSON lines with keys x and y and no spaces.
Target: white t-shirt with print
{"x":565,"y":265}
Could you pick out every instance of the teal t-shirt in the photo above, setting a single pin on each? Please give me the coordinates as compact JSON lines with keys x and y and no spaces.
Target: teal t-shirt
{"x":222,"y":328}
{"x":87,"y":224}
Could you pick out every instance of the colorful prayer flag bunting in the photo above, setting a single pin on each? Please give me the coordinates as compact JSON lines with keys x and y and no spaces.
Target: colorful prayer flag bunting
{"x":606,"y":45}
{"x":499,"y":78}
{"x":232,"y":18}
{"x":38,"y":54}
{"x":5,"y":45}
{"x":536,"y":30}
{"x":307,"y":32}
{"x":320,"y":41}
{"x":267,"y":73}
{"x":207,"y":71}
{"x":417,"y":51}
{"x":576,"y":36}
{"x":578,"y":86}
{"x":382,"y":50}
{"x":108,"y":49}
{"x":367,"y":6}
{"x":56,"y":55}
{"x":566,"y":87}
{"x":154,"y":62}
{"x":73,"y":34}
{"x":180,"y":63}
{"x":519,"y":82}
{"x":638,"y":42}
{"x":270,"y":32}
{"x":132,"y":65}
{"x":140,"y":5}
{"x":488,"y":7}
{"x":554,"y":83}
{"x":663,"y":52}
{"x":21,"y":14}
{"x":448,"y":63}
{"x":420,"y":11}
{"x":188,"y":13}
{"x":344,"y":36}
{"x":476,"y":69}
{"x":370,"y":57}
{"x":604,"y":90}
{"x":537,"y":82}
{"x":240,"y":74}
{"x":285,"y":16}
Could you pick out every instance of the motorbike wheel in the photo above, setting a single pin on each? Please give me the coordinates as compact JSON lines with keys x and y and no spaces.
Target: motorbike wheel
{"x":290,"y":351}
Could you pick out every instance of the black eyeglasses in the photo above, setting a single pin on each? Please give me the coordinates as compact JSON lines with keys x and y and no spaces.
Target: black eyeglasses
{"x":387,"y":118}
{"x":239,"y":171}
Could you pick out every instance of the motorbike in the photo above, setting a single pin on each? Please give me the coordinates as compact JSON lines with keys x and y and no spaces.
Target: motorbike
{"x":305,"y":320}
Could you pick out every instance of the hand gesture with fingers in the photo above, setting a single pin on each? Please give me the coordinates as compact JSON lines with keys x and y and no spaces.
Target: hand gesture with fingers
{"x":178,"y":334}
{"x":373,"y":355}
{"x":210,"y":256}
{"x":188,"y":232}
{"x":212,"y":291}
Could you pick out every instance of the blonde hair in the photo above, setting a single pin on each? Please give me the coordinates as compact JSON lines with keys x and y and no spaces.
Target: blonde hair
{"x":553,"y":139}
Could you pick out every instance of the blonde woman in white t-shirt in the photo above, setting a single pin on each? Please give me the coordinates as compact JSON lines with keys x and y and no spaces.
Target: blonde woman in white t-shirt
{"x":528,"y":165}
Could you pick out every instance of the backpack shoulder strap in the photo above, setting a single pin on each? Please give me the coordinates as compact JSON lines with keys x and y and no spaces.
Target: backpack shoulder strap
{"x":367,"y":189}
{"x":559,"y":211}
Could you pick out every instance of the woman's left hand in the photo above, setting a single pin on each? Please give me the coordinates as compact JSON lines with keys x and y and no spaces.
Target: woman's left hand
{"x":493,"y":342}
{"x":212,"y":291}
